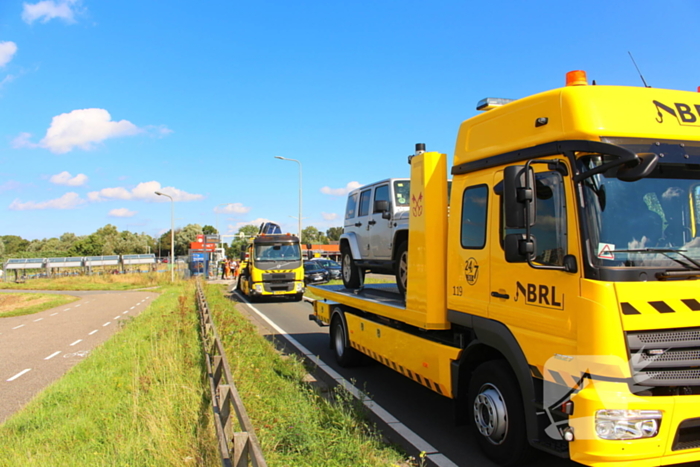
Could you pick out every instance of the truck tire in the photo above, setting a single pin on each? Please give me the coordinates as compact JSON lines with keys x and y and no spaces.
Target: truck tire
{"x":401,"y":269}
{"x":345,"y":355}
{"x":496,"y":414}
{"x":352,"y":275}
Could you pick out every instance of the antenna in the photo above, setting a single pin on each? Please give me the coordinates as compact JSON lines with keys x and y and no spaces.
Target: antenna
{"x":640,"y":73}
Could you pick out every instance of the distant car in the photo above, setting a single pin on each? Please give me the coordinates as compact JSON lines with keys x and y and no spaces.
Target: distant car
{"x":315,"y":274}
{"x":331,"y":266}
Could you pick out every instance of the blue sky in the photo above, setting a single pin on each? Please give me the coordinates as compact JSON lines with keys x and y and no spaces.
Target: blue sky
{"x":104,"y":102}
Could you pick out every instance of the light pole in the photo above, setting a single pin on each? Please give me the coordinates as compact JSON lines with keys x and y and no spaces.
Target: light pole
{"x":294,"y":160}
{"x":172,"y":235}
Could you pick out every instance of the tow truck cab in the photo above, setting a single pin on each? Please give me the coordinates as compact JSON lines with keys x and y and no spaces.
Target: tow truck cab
{"x":558,"y":302}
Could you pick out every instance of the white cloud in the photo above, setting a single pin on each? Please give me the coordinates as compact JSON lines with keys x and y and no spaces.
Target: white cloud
{"x":143,"y":191}
{"x":68,"y":201}
{"x":7,"y":51}
{"x":65,"y":178}
{"x":121,"y":212}
{"x":82,"y":128}
{"x":340,"y":191}
{"x":10,"y":185}
{"x":48,"y":9}
{"x":329,"y":216}
{"x":232,"y":208}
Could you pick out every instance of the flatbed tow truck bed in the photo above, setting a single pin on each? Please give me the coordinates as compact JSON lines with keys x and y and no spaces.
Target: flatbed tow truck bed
{"x":372,"y":298}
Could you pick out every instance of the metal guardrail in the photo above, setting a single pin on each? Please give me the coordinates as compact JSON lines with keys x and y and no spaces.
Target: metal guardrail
{"x":237,"y":448}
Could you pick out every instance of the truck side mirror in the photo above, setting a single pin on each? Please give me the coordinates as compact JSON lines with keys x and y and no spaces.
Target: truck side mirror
{"x":384,"y":207}
{"x":519,"y":197}
{"x":644,"y":168}
{"x":519,"y":248}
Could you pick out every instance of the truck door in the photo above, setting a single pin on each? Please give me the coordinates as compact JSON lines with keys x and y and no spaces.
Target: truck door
{"x":380,"y":230}
{"x":468,"y":261}
{"x":538,"y":305}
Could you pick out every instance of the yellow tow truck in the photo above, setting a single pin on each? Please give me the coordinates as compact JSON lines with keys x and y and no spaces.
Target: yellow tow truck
{"x":271,"y":265}
{"x":557,"y":301}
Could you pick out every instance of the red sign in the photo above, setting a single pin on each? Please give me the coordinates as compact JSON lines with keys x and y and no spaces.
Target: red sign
{"x":202,"y":246}
{"x":200,"y":238}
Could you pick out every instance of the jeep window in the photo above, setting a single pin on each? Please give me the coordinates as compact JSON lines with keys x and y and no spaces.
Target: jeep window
{"x":351,"y":206}
{"x":381,"y":193}
{"x":474,"y":204}
{"x":550,"y":220}
{"x":402,"y":192}
{"x":364,"y":203}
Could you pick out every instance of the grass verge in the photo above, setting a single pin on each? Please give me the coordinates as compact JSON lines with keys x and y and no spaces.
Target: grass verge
{"x":18,"y":304}
{"x":140,"y":399}
{"x":96,"y":282}
{"x":295,"y":424}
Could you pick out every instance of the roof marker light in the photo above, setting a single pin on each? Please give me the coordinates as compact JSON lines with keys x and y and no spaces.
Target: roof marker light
{"x":492,"y":102}
{"x":576,"y":78}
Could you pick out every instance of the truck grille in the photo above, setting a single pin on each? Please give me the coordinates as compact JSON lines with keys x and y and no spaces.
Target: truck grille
{"x":665,"y":358}
{"x":278,"y":276}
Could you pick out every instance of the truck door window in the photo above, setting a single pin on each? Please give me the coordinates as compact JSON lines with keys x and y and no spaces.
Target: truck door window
{"x":381,"y":193}
{"x":364,"y":203}
{"x":351,"y":206}
{"x":549,"y":230}
{"x":474,"y":203}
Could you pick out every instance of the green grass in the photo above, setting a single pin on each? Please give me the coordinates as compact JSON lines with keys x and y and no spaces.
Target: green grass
{"x":140,"y":399}
{"x":296,"y":425}
{"x":27,"y":304}
{"x":95,"y":282}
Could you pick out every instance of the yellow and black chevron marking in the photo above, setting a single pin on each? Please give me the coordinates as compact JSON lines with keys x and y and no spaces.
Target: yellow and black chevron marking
{"x":432,"y":385}
{"x":662,"y":307}
{"x":562,"y":378}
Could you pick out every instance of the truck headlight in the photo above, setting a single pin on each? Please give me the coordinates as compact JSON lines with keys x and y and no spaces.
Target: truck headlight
{"x":300,"y":286}
{"x":258,"y":288}
{"x":627,"y":424}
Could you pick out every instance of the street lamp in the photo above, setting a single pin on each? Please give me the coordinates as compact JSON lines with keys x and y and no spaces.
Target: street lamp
{"x":172,"y":235}
{"x":294,"y":160}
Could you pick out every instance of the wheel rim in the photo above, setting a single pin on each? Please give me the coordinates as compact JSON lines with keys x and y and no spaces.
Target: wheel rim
{"x":347,"y":267}
{"x":339,"y":340}
{"x":491,"y":414}
{"x":403,"y":269}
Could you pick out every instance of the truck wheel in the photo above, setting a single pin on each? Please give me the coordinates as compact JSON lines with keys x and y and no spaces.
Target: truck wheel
{"x":402,"y":267}
{"x":352,"y":276}
{"x":345,"y":355}
{"x":496,"y":413}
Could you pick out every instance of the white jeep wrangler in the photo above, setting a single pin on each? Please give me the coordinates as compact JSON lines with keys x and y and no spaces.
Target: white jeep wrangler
{"x":375,"y":236}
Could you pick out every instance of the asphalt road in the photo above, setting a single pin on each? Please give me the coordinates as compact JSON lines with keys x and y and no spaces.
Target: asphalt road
{"x":426,"y":413}
{"x":37,"y":349}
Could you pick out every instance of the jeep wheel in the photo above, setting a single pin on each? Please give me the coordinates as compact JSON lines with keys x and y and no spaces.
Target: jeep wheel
{"x":402,"y":268}
{"x":352,"y":276}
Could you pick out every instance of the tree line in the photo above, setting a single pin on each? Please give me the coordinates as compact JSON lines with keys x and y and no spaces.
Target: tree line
{"x":109,"y":241}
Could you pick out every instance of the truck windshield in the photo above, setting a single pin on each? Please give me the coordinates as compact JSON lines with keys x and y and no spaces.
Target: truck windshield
{"x":277,"y":252}
{"x":652,"y":222}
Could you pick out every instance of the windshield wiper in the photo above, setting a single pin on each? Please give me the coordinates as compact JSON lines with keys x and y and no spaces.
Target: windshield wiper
{"x":692,"y":269}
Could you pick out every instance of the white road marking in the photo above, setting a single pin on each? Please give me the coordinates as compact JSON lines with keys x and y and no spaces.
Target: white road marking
{"x":52,"y":355}
{"x":79,"y":340}
{"x":117,"y":317}
{"x":66,"y":309}
{"x":107,"y":323}
{"x":125,"y":312}
{"x":17,"y":327}
{"x":54,"y":314}
{"x":38,"y":319}
{"x":19,"y":374}
{"x":76,"y":306}
{"x":93,"y":332}
{"x":132,"y":307}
